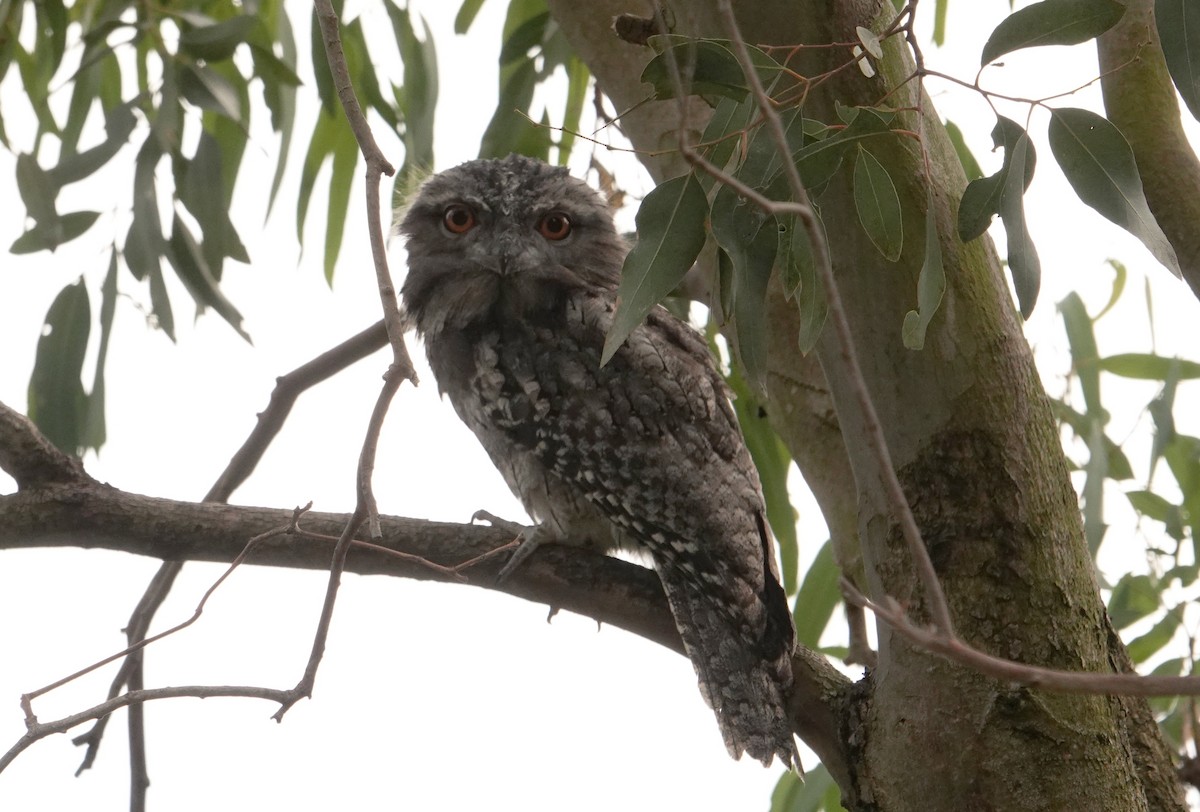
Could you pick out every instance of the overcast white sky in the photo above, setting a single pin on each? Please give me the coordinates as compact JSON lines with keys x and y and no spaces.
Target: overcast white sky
{"x":430,"y":697}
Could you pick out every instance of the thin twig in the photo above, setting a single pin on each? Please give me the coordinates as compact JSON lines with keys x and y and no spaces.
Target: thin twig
{"x":938,"y":608}
{"x":1034,"y":676}
{"x":36,"y":730}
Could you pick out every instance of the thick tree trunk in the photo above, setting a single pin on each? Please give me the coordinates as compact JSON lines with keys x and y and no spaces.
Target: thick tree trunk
{"x":976,"y":448}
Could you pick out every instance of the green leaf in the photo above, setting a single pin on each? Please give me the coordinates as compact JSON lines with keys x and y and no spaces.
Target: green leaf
{"x":417,"y":99}
{"x":878,"y":205}
{"x":818,"y":161}
{"x":1153,"y":506}
{"x":119,"y":123}
{"x":96,"y":432}
{"x":982,"y":198}
{"x":931,"y":284}
{"x":1178,"y":24}
{"x":939,"y":22}
{"x":204,"y":87}
{"x":1118,"y":464}
{"x":37,"y":188}
{"x":280,"y":97}
{"x":1133,"y":598}
{"x":201,"y":190}
{"x":773,"y":462}
{"x":527,"y":35}
{"x":1144,"y":647}
{"x":819,"y":595}
{"x":1051,"y":22}
{"x":187,"y":259}
{"x":218,"y":41}
{"x":507,"y":124}
{"x":670,"y":228}
{"x":750,"y":237}
{"x":466,"y":15}
{"x":47,"y":235}
{"x":965,"y":157}
{"x":810,"y":294}
{"x":57,"y":402}
{"x":1099,"y":165}
{"x":1084,"y":356}
{"x":341,"y":182}
{"x":320,"y":147}
{"x":320,"y":65}
{"x":1146,"y":367}
{"x":578,"y":82}
{"x":707,"y":67}
{"x":1023,"y":262}
{"x":815,"y":792}
{"x":723,"y":133}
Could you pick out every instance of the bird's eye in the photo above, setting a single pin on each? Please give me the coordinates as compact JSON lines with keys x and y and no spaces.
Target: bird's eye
{"x":555,"y":226}
{"x":458,"y":219}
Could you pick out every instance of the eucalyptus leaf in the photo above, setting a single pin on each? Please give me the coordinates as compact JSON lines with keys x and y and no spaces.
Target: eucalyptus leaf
{"x":1023,"y":262}
{"x":1178,"y":23}
{"x":1098,"y":163}
{"x":1051,"y":22}
{"x":57,"y":402}
{"x":670,"y":228}
{"x":931,"y":284}
{"x":878,"y":205}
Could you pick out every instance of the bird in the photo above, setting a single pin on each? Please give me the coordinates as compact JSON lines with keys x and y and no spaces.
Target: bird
{"x":513,"y":272}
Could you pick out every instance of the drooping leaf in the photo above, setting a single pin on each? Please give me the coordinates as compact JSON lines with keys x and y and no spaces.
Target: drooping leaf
{"x":38,"y":191}
{"x":1095,"y":472}
{"x":725,"y":131}
{"x":1133,"y":598}
{"x":207,"y":89}
{"x":818,"y":161}
{"x":773,"y":462}
{"x":466,"y":15}
{"x":819,"y":595}
{"x":1150,"y":643}
{"x":931,"y":284}
{"x":1081,"y":338}
{"x":57,"y":402}
{"x":48,"y":235}
{"x":578,"y":82}
{"x":939,"y":21}
{"x":750,"y":237}
{"x":507,"y":124}
{"x":1146,"y":367}
{"x":1023,"y":262}
{"x":878,"y":205}
{"x":189,"y":263}
{"x":96,"y":431}
{"x":1099,"y":165}
{"x":218,"y":41}
{"x":707,"y":67}
{"x":1178,"y":23}
{"x":670,"y":229}
{"x":417,"y":98}
{"x":341,"y":182}
{"x":965,"y":157}
{"x":280,"y":96}
{"x":1118,"y":464}
{"x":1051,"y":22}
{"x":815,"y":792}
{"x":982,"y":198}
{"x":810,"y":293}
{"x":119,"y":124}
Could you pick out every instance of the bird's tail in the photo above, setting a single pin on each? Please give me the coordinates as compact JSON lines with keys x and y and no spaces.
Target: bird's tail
{"x":740,"y":642}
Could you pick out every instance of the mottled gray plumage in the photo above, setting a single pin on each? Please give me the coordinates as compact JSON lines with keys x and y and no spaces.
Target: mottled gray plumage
{"x":513,"y":271}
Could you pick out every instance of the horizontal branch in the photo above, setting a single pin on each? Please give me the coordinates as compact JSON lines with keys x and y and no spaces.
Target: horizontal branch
{"x":81,"y":512}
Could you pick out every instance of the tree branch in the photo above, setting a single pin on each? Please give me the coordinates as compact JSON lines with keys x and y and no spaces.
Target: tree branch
{"x":89,"y":514}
